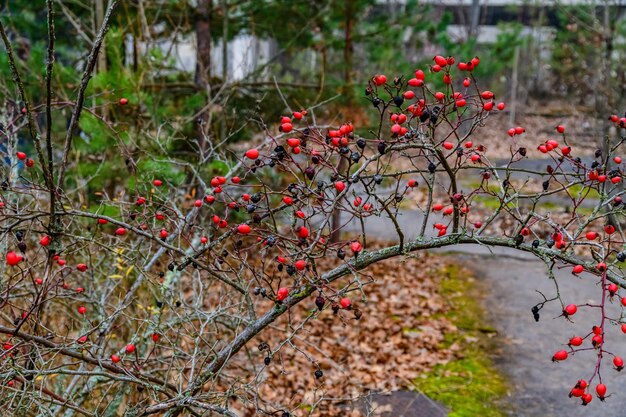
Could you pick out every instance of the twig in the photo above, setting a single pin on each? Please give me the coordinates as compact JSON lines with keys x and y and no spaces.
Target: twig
{"x":89,"y":67}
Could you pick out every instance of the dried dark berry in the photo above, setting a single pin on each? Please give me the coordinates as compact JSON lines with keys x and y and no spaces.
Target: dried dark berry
{"x":535,"y":311}
{"x":320,"y":302}
{"x":434,"y":114}
{"x":319,"y":374}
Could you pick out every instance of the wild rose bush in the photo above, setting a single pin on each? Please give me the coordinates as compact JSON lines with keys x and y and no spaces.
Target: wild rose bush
{"x":145,"y":308}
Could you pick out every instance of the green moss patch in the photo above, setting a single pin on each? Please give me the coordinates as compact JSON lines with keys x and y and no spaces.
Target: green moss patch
{"x":469,"y":385}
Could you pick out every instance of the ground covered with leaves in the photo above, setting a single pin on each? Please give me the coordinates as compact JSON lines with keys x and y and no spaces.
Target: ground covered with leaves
{"x":406,"y":329}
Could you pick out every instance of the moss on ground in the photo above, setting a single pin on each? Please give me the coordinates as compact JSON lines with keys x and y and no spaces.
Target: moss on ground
{"x":469,"y":385}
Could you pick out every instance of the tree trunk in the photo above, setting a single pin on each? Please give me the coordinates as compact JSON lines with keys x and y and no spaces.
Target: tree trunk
{"x":101,"y":64}
{"x":348,"y":52}
{"x":203,"y":64}
{"x":474,"y":18}
{"x":203,"y":41}
{"x":225,"y":61}
{"x":225,"y":49}
{"x":514,"y":87}
{"x":102,"y":57}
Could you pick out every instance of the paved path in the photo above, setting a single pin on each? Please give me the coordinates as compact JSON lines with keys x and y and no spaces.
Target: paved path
{"x":539,"y":387}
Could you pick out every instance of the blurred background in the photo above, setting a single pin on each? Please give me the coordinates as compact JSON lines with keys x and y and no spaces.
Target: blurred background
{"x":207,"y":72}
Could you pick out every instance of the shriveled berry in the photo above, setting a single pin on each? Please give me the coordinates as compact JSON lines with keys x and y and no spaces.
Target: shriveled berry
{"x":320,"y":302}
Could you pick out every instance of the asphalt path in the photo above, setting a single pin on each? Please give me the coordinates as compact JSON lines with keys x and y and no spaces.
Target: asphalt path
{"x":511,"y":279}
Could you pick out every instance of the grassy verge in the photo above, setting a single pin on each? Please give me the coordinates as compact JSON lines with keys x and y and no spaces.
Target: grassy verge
{"x":469,"y":385}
